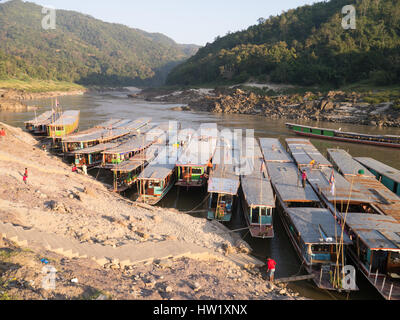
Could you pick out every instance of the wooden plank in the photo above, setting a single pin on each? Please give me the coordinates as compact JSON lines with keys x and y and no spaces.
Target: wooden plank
{"x":296,"y":278}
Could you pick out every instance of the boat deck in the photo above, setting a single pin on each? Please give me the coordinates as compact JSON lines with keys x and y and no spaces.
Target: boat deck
{"x":273,"y":151}
{"x":381,"y":168}
{"x":305,"y":153}
{"x":384,"y":199}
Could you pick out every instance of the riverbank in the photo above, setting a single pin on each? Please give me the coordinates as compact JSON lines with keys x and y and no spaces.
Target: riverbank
{"x":373,"y":109}
{"x":58,"y":204}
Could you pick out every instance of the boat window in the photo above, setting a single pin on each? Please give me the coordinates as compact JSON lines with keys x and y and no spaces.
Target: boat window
{"x":197,"y":171}
{"x":155,"y":184}
{"x":395,"y":258}
{"x":320,"y":248}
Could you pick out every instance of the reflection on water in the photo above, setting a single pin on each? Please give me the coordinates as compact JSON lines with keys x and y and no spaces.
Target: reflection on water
{"x":100,"y":107}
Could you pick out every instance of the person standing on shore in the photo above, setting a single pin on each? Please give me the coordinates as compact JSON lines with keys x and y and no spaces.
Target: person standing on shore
{"x":24,"y":178}
{"x":271,"y":264}
{"x":2,"y":133}
{"x":84,"y":169}
{"x":26,"y":172}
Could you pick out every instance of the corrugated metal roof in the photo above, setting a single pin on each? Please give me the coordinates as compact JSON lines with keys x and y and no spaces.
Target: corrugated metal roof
{"x":344,"y":191}
{"x":43,"y":119}
{"x":304,"y":152}
{"x":287,"y":181}
{"x":346,"y":164}
{"x":273,"y":151}
{"x":97,"y":148}
{"x":316,"y":225}
{"x":377,"y":231}
{"x":381,"y":168}
{"x":223,"y":178}
{"x":67,"y":118}
{"x":256,"y":186}
{"x":121,"y":128}
{"x":201,"y":146}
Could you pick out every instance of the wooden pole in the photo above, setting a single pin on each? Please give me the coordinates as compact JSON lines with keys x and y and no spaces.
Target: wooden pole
{"x":390,"y":293}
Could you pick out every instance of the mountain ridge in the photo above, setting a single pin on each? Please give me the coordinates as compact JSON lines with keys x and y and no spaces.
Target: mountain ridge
{"x":82,"y":49}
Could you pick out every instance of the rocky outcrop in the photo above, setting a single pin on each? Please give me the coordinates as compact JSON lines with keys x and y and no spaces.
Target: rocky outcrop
{"x":334,"y":106}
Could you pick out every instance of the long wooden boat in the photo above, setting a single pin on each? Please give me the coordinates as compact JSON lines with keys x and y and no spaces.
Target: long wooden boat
{"x":257,"y":196}
{"x":331,"y":134}
{"x":103,"y":133}
{"x":389,"y":176}
{"x":356,"y":212}
{"x":354,"y":172}
{"x":193,"y":164}
{"x":158,"y":177}
{"x":376,"y":251}
{"x":312,"y":230}
{"x":38,"y":125}
{"x":67,"y":123}
{"x":125,"y":151}
{"x":223,"y":183}
{"x":126,"y":173}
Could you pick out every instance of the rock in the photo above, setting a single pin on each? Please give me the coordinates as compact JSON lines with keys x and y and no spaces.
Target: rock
{"x":169,"y":289}
{"x":196,"y":286}
{"x":227,"y":248}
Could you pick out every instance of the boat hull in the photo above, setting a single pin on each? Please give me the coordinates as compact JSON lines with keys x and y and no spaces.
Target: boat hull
{"x":375,"y":143}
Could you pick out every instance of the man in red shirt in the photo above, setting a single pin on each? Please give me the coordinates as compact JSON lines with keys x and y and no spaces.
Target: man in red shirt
{"x":304,"y":178}
{"x":2,"y":133}
{"x":271,"y":268}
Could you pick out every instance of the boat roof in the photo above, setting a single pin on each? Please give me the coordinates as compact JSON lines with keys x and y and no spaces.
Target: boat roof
{"x":136,"y":161}
{"x":344,"y":191}
{"x":67,"y":118}
{"x":208,"y":130}
{"x":286,"y":179}
{"x":381,"y":168}
{"x":347,"y":165}
{"x":223,"y":178}
{"x":162,"y":166}
{"x":317,"y":226}
{"x":198,"y":151}
{"x":256,"y":186}
{"x":43,"y":119}
{"x":97,"y":148}
{"x":134,"y":144}
{"x":273,"y":150}
{"x":304,"y":152}
{"x":377,"y":231}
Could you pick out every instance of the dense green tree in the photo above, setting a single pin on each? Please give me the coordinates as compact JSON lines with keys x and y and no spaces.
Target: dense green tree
{"x":305,"y":46}
{"x":82,"y":49}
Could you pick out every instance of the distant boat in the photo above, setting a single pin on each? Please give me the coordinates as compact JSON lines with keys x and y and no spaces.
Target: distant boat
{"x":332,"y":134}
{"x":38,"y":125}
{"x":67,"y":123}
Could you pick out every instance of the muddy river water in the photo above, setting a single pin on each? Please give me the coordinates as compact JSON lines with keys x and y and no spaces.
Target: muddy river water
{"x":97,"y":107}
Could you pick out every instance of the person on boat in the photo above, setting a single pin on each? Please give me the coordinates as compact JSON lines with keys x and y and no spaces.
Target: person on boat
{"x":304,"y":178}
{"x":271,"y":264}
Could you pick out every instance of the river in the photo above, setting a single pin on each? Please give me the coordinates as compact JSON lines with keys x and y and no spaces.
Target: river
{"x":97,"y":107}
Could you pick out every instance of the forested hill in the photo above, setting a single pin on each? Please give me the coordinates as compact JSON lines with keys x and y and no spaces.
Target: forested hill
{"x":305,"y":46}
{"x":82,"y":49}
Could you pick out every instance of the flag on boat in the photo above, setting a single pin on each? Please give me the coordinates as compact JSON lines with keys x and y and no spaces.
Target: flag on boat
{"x":332,"y":183}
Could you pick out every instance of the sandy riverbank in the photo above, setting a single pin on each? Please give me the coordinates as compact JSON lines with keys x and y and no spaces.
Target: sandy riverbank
{"x":78,"y":207}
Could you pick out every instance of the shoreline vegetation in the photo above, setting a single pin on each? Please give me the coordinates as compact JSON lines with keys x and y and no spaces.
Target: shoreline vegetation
{"x":74,"y":209}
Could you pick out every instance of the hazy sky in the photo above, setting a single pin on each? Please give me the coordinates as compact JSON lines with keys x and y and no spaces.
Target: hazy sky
{"x":185,"y":21}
